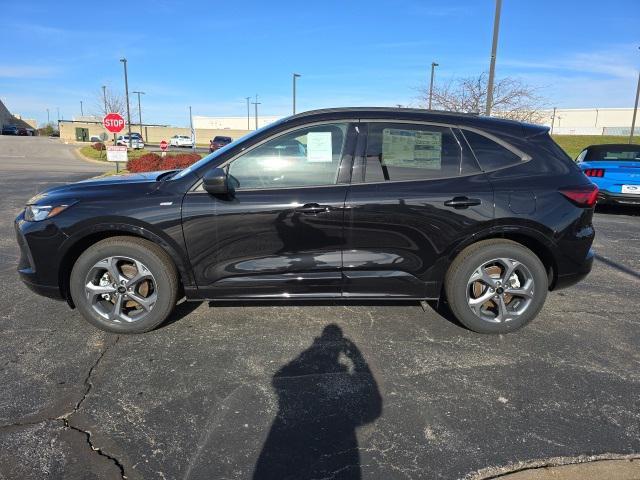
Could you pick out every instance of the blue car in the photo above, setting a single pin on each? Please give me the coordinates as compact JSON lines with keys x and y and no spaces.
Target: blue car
{"x":615,"y":169}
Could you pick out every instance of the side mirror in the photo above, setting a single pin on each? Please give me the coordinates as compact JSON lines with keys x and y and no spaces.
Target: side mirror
{"x":215,"y":182}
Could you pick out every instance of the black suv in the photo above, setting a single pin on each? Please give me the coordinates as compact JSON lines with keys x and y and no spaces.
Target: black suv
{"x":354,"y":204}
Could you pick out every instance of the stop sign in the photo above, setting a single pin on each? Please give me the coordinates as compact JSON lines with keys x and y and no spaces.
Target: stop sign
{"x":163,"y":145}
{"x":113,"y":122}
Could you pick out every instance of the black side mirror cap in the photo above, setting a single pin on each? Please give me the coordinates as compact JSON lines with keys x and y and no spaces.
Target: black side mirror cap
{"x":215,"y":182}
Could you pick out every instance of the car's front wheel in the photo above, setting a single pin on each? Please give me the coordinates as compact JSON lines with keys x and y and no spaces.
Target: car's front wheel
{"x":124,"y":285}
{"x":496,"y":286}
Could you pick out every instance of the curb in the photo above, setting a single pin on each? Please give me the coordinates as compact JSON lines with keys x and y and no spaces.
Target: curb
{"x":87,"y":159}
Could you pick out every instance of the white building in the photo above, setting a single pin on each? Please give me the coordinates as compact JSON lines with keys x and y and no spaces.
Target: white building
{"x":590,"y":121}
{"x":231,"y":123}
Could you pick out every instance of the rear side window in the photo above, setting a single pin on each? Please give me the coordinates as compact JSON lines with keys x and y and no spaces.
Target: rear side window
{"x":491,"y":155}
{"x":397,"y":152}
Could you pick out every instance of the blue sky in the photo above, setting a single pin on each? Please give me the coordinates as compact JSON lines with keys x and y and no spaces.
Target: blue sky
{"x":214,"y":54}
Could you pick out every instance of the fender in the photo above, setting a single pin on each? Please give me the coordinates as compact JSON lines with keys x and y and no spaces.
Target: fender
{"x":137,"y":228}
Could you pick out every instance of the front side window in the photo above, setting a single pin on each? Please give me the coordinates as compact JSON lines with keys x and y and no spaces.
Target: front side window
{"x":397,"y":152}
{"x":306,"y":157}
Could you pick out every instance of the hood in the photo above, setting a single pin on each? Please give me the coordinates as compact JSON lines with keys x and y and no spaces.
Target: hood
{"x":95,"y":185}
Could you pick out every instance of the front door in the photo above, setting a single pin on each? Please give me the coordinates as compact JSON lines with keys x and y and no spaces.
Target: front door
{"x":280,"y":233}
{"x":416,"y":191}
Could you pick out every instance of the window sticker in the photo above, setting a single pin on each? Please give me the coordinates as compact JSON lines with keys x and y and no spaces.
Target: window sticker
{"x":319,"y":147}
{"x":411,"y":148}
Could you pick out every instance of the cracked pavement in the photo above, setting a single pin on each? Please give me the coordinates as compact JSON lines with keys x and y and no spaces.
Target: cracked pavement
{"x":229,"y":392}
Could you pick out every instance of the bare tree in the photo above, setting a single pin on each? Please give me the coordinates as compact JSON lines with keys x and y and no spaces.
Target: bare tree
{"x":113,"y":101}
{"x":512,"y":98}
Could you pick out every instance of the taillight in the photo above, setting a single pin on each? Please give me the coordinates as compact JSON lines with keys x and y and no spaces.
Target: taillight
{"x":584,"y":196}
{"x":594,"y":172}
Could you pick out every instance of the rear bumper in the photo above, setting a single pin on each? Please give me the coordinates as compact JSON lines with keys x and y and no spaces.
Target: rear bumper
{"x":606,"y":197}
{"x":564,"y":281}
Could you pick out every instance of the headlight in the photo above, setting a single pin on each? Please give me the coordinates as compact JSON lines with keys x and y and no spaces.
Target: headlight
{"x":36,"y":213}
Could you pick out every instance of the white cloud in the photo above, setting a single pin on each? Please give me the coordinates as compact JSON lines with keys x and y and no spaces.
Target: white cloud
{"x":27,"y":71}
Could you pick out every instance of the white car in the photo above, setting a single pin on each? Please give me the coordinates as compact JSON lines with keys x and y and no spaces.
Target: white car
{"x":136,"y":141}
{"x":181,"y":141}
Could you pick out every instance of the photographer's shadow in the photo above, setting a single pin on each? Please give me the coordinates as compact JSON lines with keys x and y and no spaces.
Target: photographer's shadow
{"x":323,"y":395}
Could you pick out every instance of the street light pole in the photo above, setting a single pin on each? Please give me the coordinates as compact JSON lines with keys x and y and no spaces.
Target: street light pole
{"x":256,"y":103}
{"x":48,"y":121}
{"x":248,"y":114}
{"x":494,"y":51}
{"x":104,"y":98}
{"x":139,"y":111}
{"x":81,"y":111}
{"x":553,"y":119}
{"x":635,"y":111}
{"x":126,"y":93}
{"x":433,"y":70}
{"x":295,"y":75}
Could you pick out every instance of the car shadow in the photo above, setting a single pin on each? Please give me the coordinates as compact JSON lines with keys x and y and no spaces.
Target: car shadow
{"x":324,"y":394}
{"x":628,"y":210}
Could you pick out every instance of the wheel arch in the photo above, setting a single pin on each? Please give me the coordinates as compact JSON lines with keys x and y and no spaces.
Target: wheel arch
{"x":73,"y":248}
{"x":529,"y":237}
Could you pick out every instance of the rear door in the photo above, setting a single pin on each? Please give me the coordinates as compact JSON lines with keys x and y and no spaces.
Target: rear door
{"x":416,"y":191}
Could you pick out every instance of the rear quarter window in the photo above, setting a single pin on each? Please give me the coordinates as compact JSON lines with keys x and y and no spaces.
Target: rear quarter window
{"x":490,"y":154}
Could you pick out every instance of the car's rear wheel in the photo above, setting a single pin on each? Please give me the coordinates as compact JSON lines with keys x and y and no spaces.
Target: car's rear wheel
{"x":496,"y":286}
{"x":124,"y":285}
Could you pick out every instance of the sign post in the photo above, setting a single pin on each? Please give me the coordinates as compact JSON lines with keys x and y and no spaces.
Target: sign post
{"x":115,"y":123}
{"x":163,"y":146}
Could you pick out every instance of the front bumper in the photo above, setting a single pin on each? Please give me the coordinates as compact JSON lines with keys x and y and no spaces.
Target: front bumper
{"x":606,"y":197}
{"x":42,"y":283}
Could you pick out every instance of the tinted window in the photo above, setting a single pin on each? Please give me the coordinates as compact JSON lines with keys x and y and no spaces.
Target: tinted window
{"x":410,"y":152}
{"x":613,"y":153}
{"x":490,"y":155}
{"x":306,"y":157}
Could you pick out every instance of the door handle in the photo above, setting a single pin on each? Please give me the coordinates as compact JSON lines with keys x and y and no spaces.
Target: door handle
{"x":313,"y":208}
{"x":462,"y":202}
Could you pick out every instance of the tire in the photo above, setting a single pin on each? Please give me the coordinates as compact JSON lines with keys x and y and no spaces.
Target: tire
{"x":474,"y":275}
{"x":145,"y":272}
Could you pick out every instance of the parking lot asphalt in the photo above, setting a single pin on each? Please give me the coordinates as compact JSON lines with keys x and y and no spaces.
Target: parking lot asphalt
{"x":235,"y":392}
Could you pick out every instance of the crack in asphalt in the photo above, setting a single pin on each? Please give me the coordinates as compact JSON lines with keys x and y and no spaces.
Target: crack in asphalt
{"x":492,"y":473}
{"x":65,"y":417}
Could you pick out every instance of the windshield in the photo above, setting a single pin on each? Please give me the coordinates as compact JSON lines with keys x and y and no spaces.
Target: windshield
{"x":616,"y":153}
{"x":220,"y":151}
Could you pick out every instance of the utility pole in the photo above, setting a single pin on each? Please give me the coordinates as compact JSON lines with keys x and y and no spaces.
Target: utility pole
{"x":433,"y":70}
{"x":494,"y":51}
{"x":248,"y":114}
{"x":256,"y":103}
{"x":48,"y":121}
{"x":139,"y":110}
{"x":126,"y":93}
{"x":635,"y":111}
{"x":193,"y":133}
{"x":81,"y":111}
{"x":553,"y":119}
{"x":58,"y":109}
{"x":295,"y":75}
{"x":104,"y":98}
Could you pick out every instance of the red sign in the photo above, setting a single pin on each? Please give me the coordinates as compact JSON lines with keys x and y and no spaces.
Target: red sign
{"x":113,"y":122}
{"x":163,"y":145}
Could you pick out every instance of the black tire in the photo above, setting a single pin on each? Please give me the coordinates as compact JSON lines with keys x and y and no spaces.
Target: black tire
{"x":469,"y":260}
{"x":154,"y":258}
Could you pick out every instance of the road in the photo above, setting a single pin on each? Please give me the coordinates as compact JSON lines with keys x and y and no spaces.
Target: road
{"x":224,"y":392}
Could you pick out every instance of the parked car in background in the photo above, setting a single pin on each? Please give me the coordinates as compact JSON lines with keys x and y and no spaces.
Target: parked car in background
{"x":482,"y":213}
{"x":219,"y":142}
{"x":615,"y":169}
{"x":96,"y":138}
{"x":181,"y":141}
{"x":23,"y":132}
{"x":136,"y":141}
{"x":10,"y":130}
